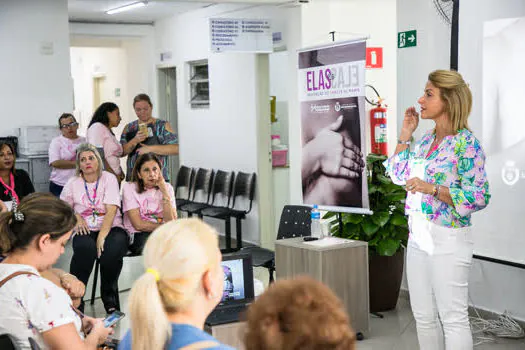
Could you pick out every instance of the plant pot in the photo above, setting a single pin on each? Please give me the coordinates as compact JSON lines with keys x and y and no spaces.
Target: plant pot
{"x":385,"y":275}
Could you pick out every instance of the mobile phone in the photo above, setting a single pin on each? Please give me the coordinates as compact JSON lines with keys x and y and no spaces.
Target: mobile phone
{"x":113,"y":318}
{"x":309,"y":238}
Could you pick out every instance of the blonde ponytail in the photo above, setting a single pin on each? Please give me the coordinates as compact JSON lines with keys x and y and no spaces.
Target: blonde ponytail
{"x":150,"y":327}
{"x":178,"y":252}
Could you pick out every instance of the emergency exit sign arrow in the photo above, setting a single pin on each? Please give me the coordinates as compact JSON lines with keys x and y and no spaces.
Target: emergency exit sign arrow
{"x":406,"y":39}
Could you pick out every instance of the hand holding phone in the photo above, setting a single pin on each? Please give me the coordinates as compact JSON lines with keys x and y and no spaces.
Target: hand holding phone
{"x":112,"y":319}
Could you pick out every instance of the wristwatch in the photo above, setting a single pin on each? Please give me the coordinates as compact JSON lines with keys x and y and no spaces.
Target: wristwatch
{"x":401,"y":142}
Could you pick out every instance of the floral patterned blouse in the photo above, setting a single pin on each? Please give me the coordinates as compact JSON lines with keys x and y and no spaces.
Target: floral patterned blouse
{"x":457,"y":163}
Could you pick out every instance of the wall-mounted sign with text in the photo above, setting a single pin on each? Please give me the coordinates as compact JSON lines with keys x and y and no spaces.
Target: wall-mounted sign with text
{"x":240,"y":35}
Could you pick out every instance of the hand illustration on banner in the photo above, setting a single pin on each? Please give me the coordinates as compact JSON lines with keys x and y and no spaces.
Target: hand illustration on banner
{"x":332,"y":153}
{"x":331,"y":164}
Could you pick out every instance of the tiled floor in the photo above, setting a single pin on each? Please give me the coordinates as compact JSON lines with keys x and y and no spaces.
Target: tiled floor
{"x":396,"y":331}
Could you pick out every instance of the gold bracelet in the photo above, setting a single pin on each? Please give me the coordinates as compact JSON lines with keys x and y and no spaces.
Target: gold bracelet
{"x":434,"y":191}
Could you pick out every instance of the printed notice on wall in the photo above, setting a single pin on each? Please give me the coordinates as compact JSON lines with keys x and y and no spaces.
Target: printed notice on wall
{"x":240,"y":35}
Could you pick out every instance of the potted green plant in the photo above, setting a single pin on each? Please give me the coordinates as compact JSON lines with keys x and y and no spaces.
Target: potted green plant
{"x":386,"y":232}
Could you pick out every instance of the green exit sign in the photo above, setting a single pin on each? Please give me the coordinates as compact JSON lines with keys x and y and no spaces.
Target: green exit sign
{"x":406,"y":39}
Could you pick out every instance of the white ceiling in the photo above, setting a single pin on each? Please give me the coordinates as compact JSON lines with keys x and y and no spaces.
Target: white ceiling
{"x":94,"y":10}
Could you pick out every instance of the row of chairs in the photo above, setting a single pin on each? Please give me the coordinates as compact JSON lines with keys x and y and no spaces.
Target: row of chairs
{"x":217,"y":194}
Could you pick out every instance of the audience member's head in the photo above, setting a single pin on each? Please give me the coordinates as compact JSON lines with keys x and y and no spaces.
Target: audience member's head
{"x":88,"y":160}
{"x":298,"y":314}
{"x":147,"y":171}
{"x":42,"y":224}
{"x":184,"y":278}
{"x":7,"y":156}
{"x":108,"y":114}
{"x":143,"y":107}
{"x":68,"y":125}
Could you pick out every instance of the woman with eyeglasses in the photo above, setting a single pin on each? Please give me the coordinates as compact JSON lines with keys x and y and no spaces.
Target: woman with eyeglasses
{"x":15,"y":184}
{"x":62,"y":151}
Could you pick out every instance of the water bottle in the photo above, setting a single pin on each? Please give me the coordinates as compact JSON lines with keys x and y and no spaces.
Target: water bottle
{"x":315,"y":226}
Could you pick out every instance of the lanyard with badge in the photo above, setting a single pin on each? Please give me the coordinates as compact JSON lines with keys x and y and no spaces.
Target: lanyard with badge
{"x":92,"y":220}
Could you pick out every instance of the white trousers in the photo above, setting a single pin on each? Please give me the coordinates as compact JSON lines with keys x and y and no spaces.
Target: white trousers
{"x":438,"y":264}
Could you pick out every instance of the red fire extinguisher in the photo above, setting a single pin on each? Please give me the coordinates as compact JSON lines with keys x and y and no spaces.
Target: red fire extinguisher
{"x":378,"y":129}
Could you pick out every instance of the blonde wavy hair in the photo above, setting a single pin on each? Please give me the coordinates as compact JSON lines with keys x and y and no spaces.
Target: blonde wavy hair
{"x":87,"y":147}
{"x":456,"y":95}
{"x":180,"y":251}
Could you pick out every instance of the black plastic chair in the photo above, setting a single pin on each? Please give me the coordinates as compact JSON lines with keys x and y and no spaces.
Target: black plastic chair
{"x":202,"y":187}
{"x":221,"y":189}
{"x":184,"y":181}
{"x":295,"y":222}
{"x":6,"y":343}
{"x":244,"y":187}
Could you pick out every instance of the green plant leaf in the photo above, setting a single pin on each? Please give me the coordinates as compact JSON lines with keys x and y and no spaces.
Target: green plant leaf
{"x":353,"y":218}
{"x":398,"y":220}
{"x":329,"y":215}
{"x":388,"y":247}
{"x":394,"y":197}
{"x":369,"y":228}
{"x":372,"y":158}
{"x":381,"y":218}
{"x":383,"y":179}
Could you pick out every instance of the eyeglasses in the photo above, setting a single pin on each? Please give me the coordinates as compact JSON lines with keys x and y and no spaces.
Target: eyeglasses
{"x":70,"y":125}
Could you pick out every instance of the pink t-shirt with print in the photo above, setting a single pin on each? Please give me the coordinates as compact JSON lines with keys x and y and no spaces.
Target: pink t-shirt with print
{"x":148,"y":202}
{"x":62,"y":148}
{"x":100,"y":136}
{"x":91,"y":205}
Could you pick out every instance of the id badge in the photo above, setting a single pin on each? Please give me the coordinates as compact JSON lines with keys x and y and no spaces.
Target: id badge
{"x":9,"y":205}
{"x":417,"y":169}
{"x":92,"y":221}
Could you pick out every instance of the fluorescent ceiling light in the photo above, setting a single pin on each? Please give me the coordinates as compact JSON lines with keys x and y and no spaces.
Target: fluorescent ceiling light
{"x":128,"y":7}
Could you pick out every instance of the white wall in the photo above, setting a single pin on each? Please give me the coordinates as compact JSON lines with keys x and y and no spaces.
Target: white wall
{"x":36,"y":88}
{"x":225,"y":135}
{"x":138,"y":43}
{"x":414,"y":64}
{"x":109,"y":63}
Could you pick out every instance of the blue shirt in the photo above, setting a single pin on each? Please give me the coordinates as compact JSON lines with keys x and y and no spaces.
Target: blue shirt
{"x":181,"y":335}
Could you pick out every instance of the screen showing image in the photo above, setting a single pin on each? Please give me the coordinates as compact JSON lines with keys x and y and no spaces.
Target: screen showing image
{"x":233,"y":280}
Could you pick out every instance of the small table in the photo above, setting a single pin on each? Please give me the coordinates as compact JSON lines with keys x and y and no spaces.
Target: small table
{"x":341,"y":264}
{"x":228,"y":334}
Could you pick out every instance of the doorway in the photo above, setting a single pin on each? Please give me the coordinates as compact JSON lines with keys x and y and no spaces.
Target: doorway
{"x":167,"y":110}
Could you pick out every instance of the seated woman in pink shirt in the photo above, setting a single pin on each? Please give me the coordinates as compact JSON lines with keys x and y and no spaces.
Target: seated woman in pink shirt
{"x":99,"y":134}
{"x":147,"y":202}
{"x":99,"y":233}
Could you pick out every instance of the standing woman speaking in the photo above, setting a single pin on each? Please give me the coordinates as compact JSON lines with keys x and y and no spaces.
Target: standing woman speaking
{"x":446,"y":182}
